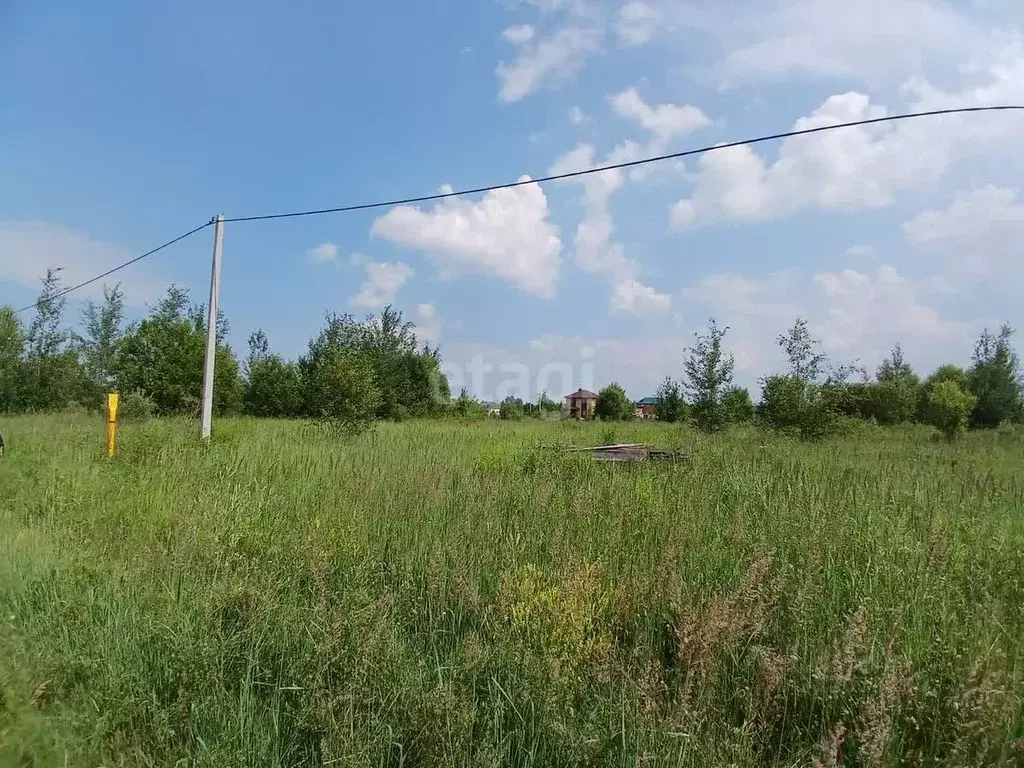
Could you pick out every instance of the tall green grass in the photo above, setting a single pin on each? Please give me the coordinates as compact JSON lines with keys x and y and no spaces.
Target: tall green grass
{"x":459,"y":595}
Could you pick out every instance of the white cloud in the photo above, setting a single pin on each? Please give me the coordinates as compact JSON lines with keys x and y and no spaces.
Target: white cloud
{"x":518,"y":34}
{"x":857,"y":315}
{"x":550,"y":61}
{"x":27,"y":249}
{"x":428,"y":323}
{"x":867,"y":312}
{"x":635,"y":298}
{"x":638,"y":22}
{"x":664,"y":121}
{"x":576,"y":116}
{"x":850,"y":168}
{"x":978,"y":236}
{"x":383,"y":281}
{"x":594,"y":250}
{"x":506,"y":234}
{"x":323,"y":253}
{"x":867,"y":40}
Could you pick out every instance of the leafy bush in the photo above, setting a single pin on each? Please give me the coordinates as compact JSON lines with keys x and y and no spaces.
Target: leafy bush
{"x":737,"y":405}
{"x":783,"y":399}
{"x":135,"y":406}
{"x":613,"y":405}
{"x":951,"y":408}
{"x":511,"y":409}
{"x":342,"y":391}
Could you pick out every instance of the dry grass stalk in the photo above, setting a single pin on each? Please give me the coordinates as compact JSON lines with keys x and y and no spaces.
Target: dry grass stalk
{"x":832,"y":752}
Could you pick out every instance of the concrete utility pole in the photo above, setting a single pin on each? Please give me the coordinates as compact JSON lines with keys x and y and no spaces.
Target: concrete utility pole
{"x":211,"y":327}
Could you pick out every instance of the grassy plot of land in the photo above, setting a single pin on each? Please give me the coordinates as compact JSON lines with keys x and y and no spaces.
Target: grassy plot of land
{"x":444,"y":594}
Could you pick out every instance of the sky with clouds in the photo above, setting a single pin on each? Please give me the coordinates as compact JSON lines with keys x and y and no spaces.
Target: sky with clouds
{"x":123,"y":126}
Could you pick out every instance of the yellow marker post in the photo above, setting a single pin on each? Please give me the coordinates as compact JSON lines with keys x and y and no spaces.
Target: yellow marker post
{"x":112,"y":400}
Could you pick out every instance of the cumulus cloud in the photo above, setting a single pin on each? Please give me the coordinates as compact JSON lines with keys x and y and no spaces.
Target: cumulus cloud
{"x":323,"y":253}
{"x":851,"y":168}
{"x":577,"y":116}
{"x":978,"y":236}
{"x":518,"y":34}
{"x":383,"y":281}
{"x":594,"y":250}
{"x":664,"y":122}
{"x":28,"y":249}
{"x":505,"y":234}
{"x":638,"y":22}
{"x":550,"y":61}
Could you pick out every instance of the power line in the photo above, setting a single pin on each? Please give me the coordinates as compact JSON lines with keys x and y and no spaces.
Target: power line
{"x":630,"y":164}
{"x":540,"y":180}
{"x":118,"y":268}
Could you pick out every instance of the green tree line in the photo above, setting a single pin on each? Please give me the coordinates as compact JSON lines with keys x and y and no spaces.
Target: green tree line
{"x":353,"y":371}
{"x":814,"y":398}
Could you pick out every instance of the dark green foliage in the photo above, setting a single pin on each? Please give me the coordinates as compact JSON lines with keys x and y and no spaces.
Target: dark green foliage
{"x":613,"y":405}
{"x":708,"y":374}
{"x":12,"y":342}
{"x":51,"y":375}
{"x":783,"y":400}
{"x":342,"y":390}
{"x":99,"y":345}
{"x":671,"y":406}
{"x":135,"y":406}
{"x":947,"y":372}
{"x":466,"y":407}
{"x":995,"y":380}
{"x":511,"y":409}
{"x":409,"y":379}
{"x":737,"y":405}
{"x":273,"y":388}
{"x":164,"y":355}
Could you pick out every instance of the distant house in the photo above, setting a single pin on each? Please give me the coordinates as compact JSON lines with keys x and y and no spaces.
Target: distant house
{"x":493,"y":409}
{"x":581,"y":404}
{"x":647,"y":408}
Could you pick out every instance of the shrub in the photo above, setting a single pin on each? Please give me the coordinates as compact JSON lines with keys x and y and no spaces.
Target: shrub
{"x":511,"y":409}
{"x":737,"y":405}
{"x":613,"y":405}
{"x":782,"y":402}
{"x":135,"y":406}
{"x":951,"y":407}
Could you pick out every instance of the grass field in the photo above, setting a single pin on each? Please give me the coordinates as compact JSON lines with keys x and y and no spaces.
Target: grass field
{"x":435,"y":594}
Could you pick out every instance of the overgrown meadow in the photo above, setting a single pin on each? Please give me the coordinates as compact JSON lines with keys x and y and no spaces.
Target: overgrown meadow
{"x":443,"y":594}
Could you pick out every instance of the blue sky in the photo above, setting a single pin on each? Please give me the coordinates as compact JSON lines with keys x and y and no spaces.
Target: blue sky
{"x":122,"y":126}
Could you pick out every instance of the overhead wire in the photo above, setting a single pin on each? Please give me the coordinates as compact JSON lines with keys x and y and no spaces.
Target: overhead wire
{"x":118,"y":268}
{"x":623,"y":165}
{"x":542,"y":180}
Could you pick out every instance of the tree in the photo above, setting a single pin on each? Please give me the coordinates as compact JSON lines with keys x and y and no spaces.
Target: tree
{"x":995,"y":380}
{"x":708,"y":373}
{"x":12,"y":344}
{"x":410,"y":378}
{"x":51,"y":366}
{"x":613,"y":405}
{"x":951,"y":408}
{"x":783,"y":401}
{"x":99,"y":343}
{"x":737,"y":405}
{"x":163,"y":356}
{"x":548,"y":406}
{"x":272,"y":388}
{"x":511,"y":409}
{"x":466,"y":407}
{"x":671,"y":407}
{"x":947,"y":372}
{"x":343,"y":393}
{"x":802,"y":351}
{"x":895,"y":368}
